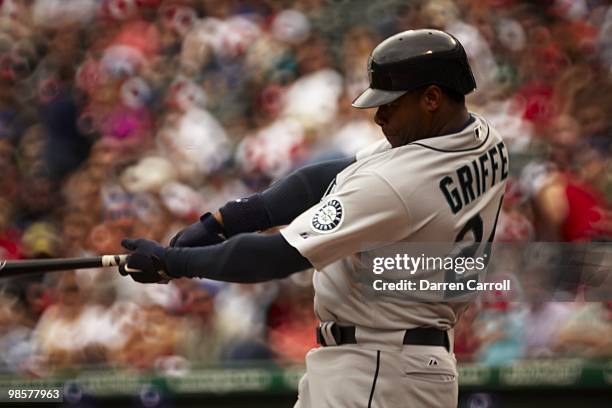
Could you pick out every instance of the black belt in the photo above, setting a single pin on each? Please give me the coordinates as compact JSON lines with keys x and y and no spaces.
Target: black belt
{"x":421,"y":336}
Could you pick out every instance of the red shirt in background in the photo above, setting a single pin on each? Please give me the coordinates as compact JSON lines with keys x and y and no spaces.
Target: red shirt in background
{"x":585,"y":208}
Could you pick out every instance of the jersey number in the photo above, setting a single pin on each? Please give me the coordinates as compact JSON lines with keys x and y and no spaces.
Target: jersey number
{"x":475,"y":226}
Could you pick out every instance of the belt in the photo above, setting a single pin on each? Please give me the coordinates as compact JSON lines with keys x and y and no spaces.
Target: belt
{"x":421,"y":336}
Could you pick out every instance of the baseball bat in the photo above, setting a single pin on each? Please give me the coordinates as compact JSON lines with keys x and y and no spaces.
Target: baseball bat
{"x":29,"y":266}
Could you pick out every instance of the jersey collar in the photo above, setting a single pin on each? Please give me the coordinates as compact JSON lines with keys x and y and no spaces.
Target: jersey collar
{"x":473,"y":135}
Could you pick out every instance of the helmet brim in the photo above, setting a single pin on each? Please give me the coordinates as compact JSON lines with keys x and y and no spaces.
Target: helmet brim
{"x":371,"y":98}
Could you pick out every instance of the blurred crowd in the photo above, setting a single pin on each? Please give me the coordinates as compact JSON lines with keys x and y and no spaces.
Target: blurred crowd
{"x":127,"y":118}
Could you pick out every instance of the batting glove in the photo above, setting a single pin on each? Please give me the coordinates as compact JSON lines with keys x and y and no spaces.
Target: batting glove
{"x":206,"y":231}
{"x":146,"y":261}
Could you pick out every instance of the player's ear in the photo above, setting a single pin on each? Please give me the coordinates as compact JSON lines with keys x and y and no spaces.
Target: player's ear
{"x":431,"y":98}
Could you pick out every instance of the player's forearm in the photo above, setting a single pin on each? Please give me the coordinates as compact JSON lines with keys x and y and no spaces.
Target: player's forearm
{"x":247,"y":258}
{"x":282,"y":202}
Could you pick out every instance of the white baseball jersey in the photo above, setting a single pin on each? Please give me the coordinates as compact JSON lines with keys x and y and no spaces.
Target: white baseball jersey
{"x":442,"y":189}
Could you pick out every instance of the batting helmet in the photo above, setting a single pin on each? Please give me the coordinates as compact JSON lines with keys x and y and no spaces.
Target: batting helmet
{"x":412,"y":59}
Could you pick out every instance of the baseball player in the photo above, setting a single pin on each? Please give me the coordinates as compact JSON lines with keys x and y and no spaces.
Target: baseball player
{"x":438,"y":177}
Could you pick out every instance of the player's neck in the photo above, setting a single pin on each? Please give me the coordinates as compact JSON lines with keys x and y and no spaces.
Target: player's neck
{"x":452,"y":122}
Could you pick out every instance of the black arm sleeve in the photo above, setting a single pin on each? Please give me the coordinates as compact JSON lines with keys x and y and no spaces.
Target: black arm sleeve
{"x":291,"y":196}
{"x":284,"y":200}
{"x":246,"y":258}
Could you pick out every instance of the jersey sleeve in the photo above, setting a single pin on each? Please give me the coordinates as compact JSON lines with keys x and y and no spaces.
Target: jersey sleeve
{"x":364,"y":213}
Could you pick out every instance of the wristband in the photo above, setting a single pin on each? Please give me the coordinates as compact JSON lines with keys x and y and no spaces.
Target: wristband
{"x":212,"y":225}
{"x":245,"y":215}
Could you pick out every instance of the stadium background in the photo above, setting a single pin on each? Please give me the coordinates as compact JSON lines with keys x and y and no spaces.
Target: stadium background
{"x":132,"y":117}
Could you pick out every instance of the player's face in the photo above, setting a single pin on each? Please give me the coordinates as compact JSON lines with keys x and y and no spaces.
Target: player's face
{"x":401,"y":120}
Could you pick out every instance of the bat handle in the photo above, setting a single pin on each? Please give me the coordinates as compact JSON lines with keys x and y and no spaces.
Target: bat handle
{"x":118,"y":260}
{"x":114,"y":260}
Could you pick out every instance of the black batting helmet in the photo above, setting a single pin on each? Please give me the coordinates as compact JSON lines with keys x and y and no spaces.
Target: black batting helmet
{"x":412,"y":59}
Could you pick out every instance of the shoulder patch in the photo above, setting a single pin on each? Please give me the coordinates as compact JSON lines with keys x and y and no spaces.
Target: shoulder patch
{"x":328,"y":217}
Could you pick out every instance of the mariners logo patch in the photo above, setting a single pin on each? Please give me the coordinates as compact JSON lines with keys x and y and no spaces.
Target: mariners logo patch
{"x":328,"y":217}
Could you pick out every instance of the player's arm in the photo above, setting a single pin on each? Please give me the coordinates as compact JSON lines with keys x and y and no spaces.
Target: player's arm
{"x":247,"y":258}
{"x":278,"y":205}
{"x":374,"y":213}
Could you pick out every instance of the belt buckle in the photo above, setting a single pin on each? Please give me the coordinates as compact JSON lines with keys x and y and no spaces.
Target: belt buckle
{"x":329,"y":333}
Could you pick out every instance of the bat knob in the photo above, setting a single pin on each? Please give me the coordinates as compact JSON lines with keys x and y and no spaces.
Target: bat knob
{"x":130,"y":270}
